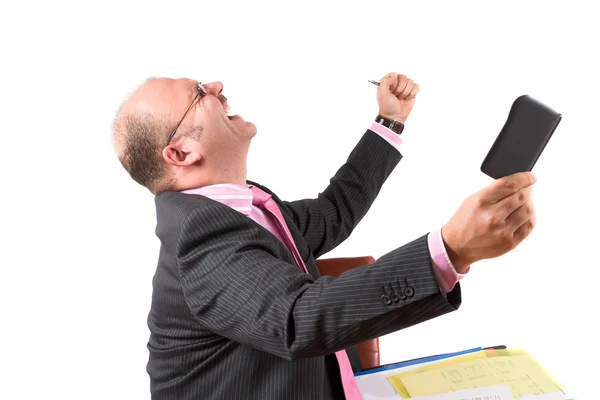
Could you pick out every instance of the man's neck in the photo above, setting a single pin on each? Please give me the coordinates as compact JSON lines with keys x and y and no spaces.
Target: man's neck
{"x":208,"y":179}
{"x":237,"y":177}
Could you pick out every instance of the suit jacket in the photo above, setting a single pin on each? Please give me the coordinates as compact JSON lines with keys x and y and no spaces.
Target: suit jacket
{"x":233,"y":317}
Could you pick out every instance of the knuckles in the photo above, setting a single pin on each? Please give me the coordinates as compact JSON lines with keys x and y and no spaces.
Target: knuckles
{"x":478,"y":202}
{"x":492,"y":223}
{"x":511,"y":185}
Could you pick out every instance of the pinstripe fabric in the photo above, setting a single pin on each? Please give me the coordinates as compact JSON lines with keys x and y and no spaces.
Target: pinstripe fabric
{"x":233,"y":317}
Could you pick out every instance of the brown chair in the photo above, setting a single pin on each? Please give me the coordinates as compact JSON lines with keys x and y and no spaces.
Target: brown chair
{"x":368,"y":351}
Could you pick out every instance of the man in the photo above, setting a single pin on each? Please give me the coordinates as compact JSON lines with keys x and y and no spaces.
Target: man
{"x":239,"y":310}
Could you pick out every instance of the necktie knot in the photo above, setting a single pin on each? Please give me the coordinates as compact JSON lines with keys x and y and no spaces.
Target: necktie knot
{"x":259,"y":197}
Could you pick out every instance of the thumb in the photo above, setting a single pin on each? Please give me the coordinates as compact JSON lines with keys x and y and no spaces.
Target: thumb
{"x":388,"y":83}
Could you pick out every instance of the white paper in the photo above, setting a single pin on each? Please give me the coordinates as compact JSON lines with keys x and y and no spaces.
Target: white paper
{"x":501,"y":392}
{"x":547,"y":396}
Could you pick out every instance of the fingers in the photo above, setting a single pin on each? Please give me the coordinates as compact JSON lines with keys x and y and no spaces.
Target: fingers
{"x":399,"y":85}
{"x":520,"y":216}
{"x":506,"y":186}
{"x":389,"y":83}
{"x":409,"y":88}
{"x":404,"y":88}
{"x":524,"y":230}
{"x":509,"y":204}
{"x":414,"y":91}
{"x":402,"y":85}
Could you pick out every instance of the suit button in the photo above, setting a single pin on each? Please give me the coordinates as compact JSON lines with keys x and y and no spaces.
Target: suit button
{"x":394,"y":297}
{"x":386,"y":299}
{"x":409,"y":291}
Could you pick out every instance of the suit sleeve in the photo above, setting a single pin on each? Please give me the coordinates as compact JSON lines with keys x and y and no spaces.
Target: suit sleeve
{"x":329,"y":219}
{"x":236,"y":287}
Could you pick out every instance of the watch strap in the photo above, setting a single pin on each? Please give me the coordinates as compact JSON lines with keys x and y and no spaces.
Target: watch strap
{"x":393,"y":125}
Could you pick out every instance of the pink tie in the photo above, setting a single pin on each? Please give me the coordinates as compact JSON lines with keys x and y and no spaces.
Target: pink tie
{"x":260,"y":198}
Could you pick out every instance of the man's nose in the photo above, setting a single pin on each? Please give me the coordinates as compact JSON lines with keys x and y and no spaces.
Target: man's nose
{"x":214,"y":88}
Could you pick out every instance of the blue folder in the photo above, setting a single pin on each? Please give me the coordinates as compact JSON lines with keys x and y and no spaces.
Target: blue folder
{"x":424,"y":360}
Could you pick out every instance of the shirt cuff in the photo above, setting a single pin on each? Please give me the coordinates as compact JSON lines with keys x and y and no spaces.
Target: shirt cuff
{"x":444,"y":271}
{"x":387,"y":134}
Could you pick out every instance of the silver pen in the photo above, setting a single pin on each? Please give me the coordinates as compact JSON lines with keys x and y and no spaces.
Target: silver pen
{"x":374,"y":82}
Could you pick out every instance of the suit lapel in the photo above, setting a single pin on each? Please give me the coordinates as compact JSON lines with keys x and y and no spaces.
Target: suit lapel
{"x":301,"y":245}
{"x":309,"y":260}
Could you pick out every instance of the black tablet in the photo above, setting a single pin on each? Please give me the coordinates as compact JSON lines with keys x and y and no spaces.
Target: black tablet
{"x":520,"y":143}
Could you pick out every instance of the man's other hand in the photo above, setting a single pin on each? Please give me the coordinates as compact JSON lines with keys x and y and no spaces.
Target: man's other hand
{"x":396,"y":96}
{"x":491,"y":222}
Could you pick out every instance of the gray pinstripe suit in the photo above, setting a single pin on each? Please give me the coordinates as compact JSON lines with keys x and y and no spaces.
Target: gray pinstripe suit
{"x":233,"y":317}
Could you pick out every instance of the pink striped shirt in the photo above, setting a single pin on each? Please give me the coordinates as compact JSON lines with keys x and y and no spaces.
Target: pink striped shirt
{"x":239,"y":197}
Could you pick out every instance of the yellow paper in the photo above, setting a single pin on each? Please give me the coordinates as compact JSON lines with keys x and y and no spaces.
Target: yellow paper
{"x":399,"y":386}
{"x":522,"y":373}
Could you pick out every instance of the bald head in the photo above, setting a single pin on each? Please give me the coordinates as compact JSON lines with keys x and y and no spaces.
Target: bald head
{"x":142,"y":127}
{"x":160,"y":97}
{"x":156,"y":98}
{"x":209,"y":146}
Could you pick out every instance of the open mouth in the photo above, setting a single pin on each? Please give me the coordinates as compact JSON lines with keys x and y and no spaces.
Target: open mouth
{"x":227,"y":109}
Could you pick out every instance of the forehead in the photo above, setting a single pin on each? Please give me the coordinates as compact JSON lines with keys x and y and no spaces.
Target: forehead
{"x":186,"y":86}
{"x":179,"y":92}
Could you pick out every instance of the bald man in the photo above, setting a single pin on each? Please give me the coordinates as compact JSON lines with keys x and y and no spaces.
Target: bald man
{"x":239,"y":310}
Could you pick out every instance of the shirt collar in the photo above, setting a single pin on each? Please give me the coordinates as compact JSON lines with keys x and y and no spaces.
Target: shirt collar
{"x":238,"y":197}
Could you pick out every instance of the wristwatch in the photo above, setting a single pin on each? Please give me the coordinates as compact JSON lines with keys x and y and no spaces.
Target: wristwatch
{"x":395,"y":126}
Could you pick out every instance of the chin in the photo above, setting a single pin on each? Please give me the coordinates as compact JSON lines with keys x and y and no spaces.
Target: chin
{"x":245,"y":128}
{"x":251,"y":129}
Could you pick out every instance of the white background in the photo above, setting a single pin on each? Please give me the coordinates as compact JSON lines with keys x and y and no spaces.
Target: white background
{"x":78,"y":246}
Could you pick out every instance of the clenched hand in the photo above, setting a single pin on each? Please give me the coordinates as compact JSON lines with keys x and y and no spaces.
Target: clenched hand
{"x":492,"y":221}
{"x":396,"y":96}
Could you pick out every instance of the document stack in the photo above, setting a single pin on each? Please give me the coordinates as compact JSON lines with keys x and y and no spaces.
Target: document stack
{"x":494,"y":373}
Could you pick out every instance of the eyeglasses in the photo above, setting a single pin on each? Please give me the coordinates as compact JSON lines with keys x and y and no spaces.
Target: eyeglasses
{"x":201,"y":91}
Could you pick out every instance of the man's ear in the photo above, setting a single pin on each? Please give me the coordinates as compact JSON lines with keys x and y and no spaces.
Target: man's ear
{"x":182,"y":154}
